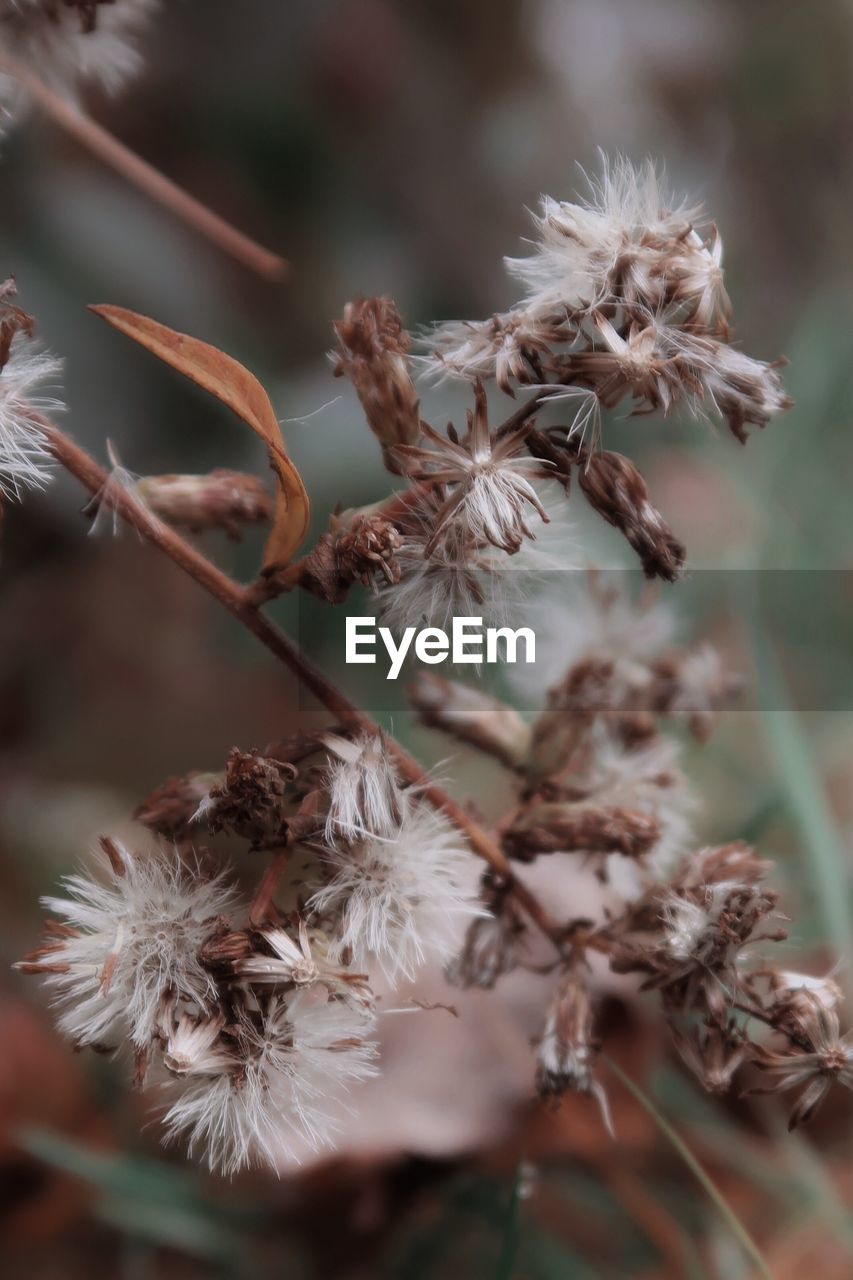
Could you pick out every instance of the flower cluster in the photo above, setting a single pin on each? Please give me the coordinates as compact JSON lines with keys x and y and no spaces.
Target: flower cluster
{"x":598,"y":777}
{"x":623,"y":298}
{"x":251,"y":1055}
{"x":255,"y":1011}
{"x":253,"y":1021}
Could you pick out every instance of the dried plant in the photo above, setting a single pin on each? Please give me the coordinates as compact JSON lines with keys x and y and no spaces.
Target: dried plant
{"x":252,"y":1012}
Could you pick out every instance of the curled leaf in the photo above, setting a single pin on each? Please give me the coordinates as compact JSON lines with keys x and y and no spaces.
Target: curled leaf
{"x":240,"y":390}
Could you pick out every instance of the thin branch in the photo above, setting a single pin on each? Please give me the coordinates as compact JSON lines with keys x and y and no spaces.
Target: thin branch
{"x":239,"y":604}
{"x":101,"y":143}
{"x":262,"y":904}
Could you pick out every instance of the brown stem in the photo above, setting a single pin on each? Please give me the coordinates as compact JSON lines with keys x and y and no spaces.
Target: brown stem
{"x":238,"y":602}
{"x":101,"y":143}
{"x":755,"y":1012}
{"x":260,"y":909}
{"x":523,"y":413}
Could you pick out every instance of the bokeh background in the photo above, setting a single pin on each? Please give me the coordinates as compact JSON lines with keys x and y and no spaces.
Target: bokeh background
{"x":391,"y":147}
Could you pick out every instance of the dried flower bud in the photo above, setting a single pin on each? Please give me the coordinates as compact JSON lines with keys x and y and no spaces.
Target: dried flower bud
{"x":224,"y":948}
{"x":689,"y":935}
{"x":491,"y":498}
{"x":567,"y":1053}
{"x":821,"y":1056}
{"x":617,"y":491}
{"x":373,"y":354}
{"x":13,"y":319}
{"x":713,"y":1053}
{"x":360,"y":546}
{"x":471,"y":716}
{"x":365,"y":797}
{"x":794,"y":996}
{"x":196,"y":1047}
{"x":251,"y":800}
{"x":219,"y":500}
{"x":25,"y":457}
{"x":743,"y":390}
{"x":695,"y":686}
{"x":579,"y":828}
{"x":366,"y":550}
{"x":171,"y":809}
{"x":492,"y":943}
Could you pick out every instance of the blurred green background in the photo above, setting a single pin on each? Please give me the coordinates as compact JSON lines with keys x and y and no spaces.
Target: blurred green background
{"x":393,"y":148}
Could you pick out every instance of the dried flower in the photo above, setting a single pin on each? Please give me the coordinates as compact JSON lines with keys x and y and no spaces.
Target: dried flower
{"x":505,"y":348}
{"x":219,"y":500}
{"x":293,"y":1057}
{"x":25,"y":459}
{"x":713,"y":1052}
{"x":251,"y":799}
{"x":399,"y":899}
{"x":828,"y":1057}
{"x":613,"y":245}
{"x":567,"y":1052}
{"x":617,"y":491}
{"x":365,"y":797}
{"x":493,"y":942}
{"x":131,"y":943}
{"x":740,"y":389}
{"x":490,"y":486}
{"x":373,"y":354}
{"x":623,"y":298}
{"x":302,"y":963}
{"x":601,"y":780}
{"x":693,"y":931}
{"x":173,"y":807}
{"x":196,"y":1047}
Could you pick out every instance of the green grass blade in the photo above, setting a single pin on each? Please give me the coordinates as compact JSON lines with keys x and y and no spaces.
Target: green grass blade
{"x":145,"y":1198}
{"x":719,"y":1201}
{"x":804,"y":793}
{"x":512,"y":1229}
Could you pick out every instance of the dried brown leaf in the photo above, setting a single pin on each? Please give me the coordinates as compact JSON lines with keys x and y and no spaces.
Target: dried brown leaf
{"x":240,"y":390}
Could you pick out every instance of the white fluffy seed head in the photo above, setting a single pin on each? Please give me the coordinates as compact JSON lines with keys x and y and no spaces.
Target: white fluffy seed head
{"x":459,"y":578}
{"x":135,"y":945}
{"x":649,"y":781}
{"x":297,"y":1056}
{"x":579,"y":243}
{"x":401,"y":900}
{"x":195,"y":1046}
{"x":51,"y":41}
{"x":596,"y":620}
{"x":365,"y":797}
{"x":25,"y":460}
